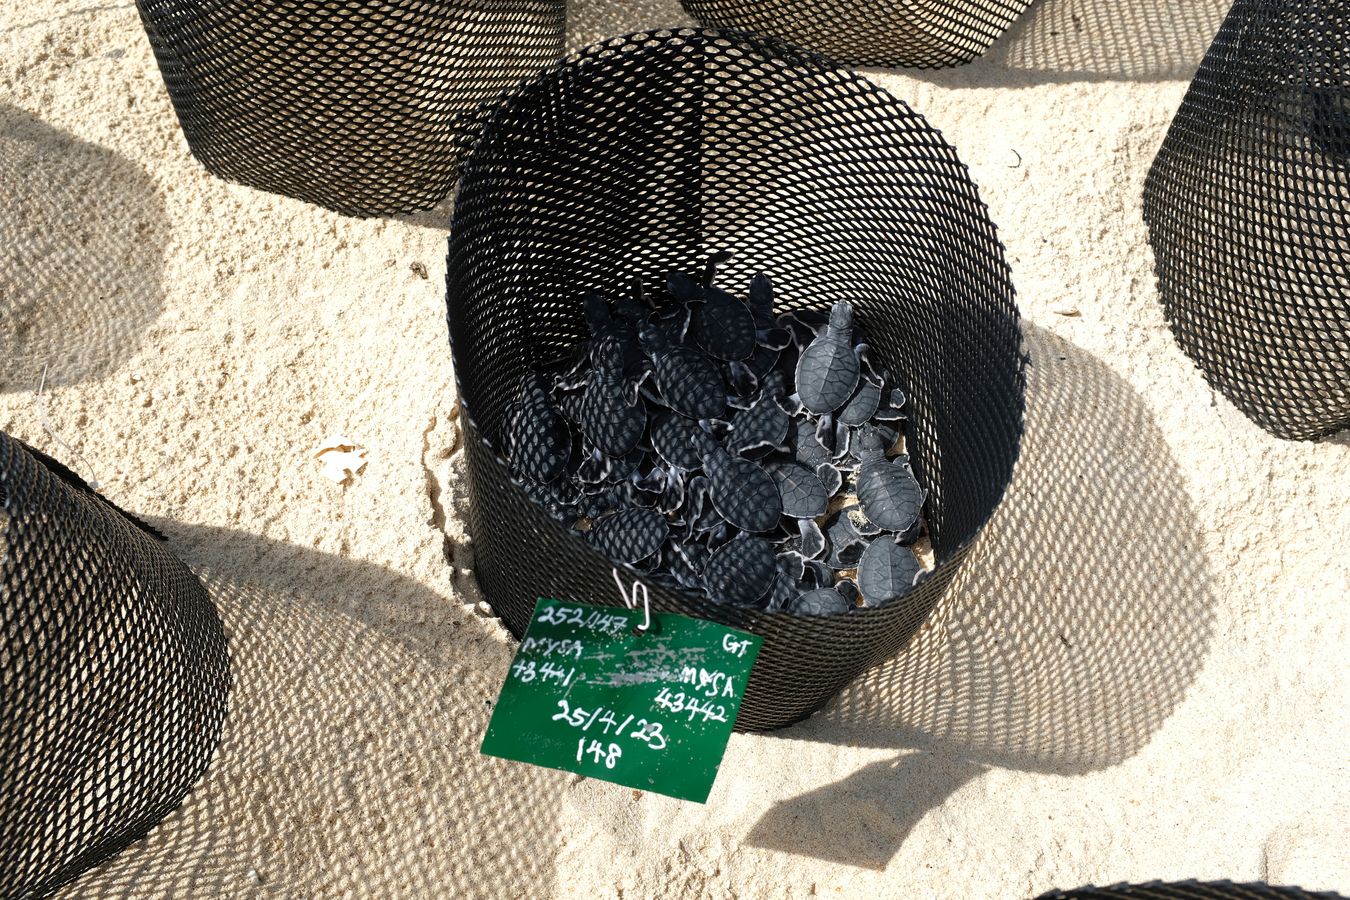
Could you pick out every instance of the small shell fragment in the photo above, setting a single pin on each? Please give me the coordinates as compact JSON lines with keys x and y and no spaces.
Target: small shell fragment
{"x":342,"y":458}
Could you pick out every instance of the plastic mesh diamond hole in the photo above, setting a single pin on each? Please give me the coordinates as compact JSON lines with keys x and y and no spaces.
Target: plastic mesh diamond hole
{"x":114,"y":671}
{"x":646,"y":154}
{"x":926,"y":34}
{"x":1189,"y":890}
{"x":359,"y":107}
{"x":1248,"y":209}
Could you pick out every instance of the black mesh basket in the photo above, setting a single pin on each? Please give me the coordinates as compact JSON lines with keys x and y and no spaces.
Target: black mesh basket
{"x":927,"y":34}
{"x":1248,"y":209}
{"x":359,"y":107}
{"x":645,"y":155}
{"x":115,"y":676}
{"x":1188,"y":890}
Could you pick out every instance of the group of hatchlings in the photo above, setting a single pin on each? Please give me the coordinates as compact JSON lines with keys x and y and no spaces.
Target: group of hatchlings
{"x":718,"y":447}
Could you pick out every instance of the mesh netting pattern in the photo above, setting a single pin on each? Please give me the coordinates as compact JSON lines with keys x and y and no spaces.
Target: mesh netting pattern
{"x":115,"y":676}
{"x":1189,"y":890}
{"x":1248,"y":209}
{"x":646,"y":154}
{"x":359,"y":107}
{"x":927,"y":34}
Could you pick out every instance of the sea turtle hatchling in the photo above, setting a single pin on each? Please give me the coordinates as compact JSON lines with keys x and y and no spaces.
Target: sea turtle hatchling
{"x":887,"y":490}
{"x":538,"y":441}
{"x":742,"y":492}
{"x":688,"y":381}
{"x":673,"y":438}
{"x":629,"y":535}
{"x":724,"y":326}
{"x":764,"y":424}
{"x":821,"y":602}
{"x":607,"y":329}
{"x":611,"y":421}
{"x":828,"y":370}
{"x":803,"y":495}
{"x":886,"y":571}
{"x":741,"y":571}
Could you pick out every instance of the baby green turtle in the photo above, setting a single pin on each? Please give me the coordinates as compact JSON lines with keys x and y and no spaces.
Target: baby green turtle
{"x":629,"y":535}
{"x":688,"y":381}
{"x":886,"y":572}
{"x":742,"y":492}
{"x":889,"y":495}
{"x":741,"y":571}
{"x":607,"y":329}
{"x":724,"y":326}
{"x":820,"y":602}
{"x":609,"y":420}
{"x":538,"y":441}
{"x":803,"y":494}
{"x":828,"y":370}
{"x":673,"y":438}
{"x":763,"y":425}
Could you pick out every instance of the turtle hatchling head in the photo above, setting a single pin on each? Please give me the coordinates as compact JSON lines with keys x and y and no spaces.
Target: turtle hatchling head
{"x":841,"y":316}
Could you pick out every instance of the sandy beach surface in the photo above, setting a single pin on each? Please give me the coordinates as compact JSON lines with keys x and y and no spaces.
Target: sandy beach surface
{"x":1141,"y":673}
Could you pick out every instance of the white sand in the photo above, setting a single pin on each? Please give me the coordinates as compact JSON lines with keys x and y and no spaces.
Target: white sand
{"x":1148,"y":681}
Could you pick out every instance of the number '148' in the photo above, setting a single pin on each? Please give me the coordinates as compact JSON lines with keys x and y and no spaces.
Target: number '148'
{"x":609,"y":756}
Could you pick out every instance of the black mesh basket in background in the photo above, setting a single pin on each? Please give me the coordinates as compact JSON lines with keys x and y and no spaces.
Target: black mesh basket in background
{"x":359,"y":107}
{"x":114,"y":671}
{"x":926,"y":34}
{"x":1189,"y":890}
{"x":645,"y":155}
{"x":1248,"y":209}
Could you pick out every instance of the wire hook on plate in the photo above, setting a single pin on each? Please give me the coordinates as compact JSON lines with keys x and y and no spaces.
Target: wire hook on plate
{"x":630,"y":598}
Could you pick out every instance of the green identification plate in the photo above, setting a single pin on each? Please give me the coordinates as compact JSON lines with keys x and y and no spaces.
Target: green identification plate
{"x":651,"y":711}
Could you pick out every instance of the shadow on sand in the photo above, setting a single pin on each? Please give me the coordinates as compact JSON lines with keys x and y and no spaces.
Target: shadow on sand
{"x":1071,"y":634}
{"x":82,"y":235}
{"x":1094,"y":40}
{"x":350,"y":762}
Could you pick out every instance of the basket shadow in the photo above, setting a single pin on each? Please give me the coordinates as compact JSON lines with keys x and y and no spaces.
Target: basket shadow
{"x":349,"y":764}
{"x":1081,"y":617}
{"x":1060,"y":41}
{"x":82,"y":235}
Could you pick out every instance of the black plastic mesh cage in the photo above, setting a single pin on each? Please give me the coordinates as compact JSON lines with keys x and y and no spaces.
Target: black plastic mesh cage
{"x":647,"y":154}
{"x":1248,"y":209}
{"x":1189,"y":890}
{"x":357,"y":106}
{"x":927,"y":34}
{"x":114,"y":670}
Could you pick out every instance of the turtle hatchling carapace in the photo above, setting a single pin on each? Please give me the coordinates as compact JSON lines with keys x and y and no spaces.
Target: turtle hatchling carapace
{"x":688,"y":381}
{"x":828,"y":370}
{"x":889,"y":495}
